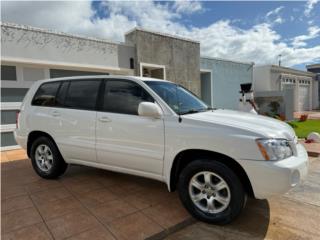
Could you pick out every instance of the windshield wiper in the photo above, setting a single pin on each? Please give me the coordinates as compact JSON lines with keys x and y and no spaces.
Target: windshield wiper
{"x":197,"y":111}
{"x":190,"y":111}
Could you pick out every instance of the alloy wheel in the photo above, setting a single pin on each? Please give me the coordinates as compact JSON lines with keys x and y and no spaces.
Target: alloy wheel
{"x":44,"y":157}
{"x":209,"y":192}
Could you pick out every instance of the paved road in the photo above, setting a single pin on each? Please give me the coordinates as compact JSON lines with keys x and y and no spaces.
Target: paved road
{"x":295,"y":215}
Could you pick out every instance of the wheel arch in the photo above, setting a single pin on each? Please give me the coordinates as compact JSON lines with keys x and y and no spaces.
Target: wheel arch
{"x":35,"y":135}
{"x":183,"y":158}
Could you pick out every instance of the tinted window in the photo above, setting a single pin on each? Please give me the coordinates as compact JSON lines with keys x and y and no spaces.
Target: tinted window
{"x":82,"y":94}
{"x":62,"y":93}
{"x":8,"y":73}
{"x":46,"y":94}
{"x":124,"y":97}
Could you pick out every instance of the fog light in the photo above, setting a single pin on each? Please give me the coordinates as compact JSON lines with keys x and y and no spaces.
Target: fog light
{"x":295,"y":178}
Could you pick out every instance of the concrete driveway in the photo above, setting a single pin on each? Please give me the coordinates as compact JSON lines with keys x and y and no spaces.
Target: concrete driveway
{"x":96,"y":204}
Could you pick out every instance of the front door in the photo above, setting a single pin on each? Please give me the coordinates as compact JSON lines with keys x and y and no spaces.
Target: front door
{"x":206,"y":88}
{"x":125,"y":140}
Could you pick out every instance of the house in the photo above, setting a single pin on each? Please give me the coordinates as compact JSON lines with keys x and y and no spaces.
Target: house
{"x":29,"y":54}
{"x":315,"y":68}
{"x":302,"y":85}
{"x":221,"y":79}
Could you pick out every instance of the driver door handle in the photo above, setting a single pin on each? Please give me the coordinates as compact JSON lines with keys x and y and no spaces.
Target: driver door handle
{"x":104,"y":119}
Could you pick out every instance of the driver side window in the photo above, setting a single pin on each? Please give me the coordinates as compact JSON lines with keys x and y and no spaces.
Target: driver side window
{"x":122,"y":96}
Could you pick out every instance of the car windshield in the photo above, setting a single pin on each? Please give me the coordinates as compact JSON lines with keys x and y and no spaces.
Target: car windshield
{"x":178,"y":98}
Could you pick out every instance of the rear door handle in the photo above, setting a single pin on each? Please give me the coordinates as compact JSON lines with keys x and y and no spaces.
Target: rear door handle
{"x":55,"y":113}
{"x":104,"y":119}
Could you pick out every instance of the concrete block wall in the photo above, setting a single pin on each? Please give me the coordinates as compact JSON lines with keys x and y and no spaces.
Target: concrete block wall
{"x":284,"y":98}
{"x":181,"y":57}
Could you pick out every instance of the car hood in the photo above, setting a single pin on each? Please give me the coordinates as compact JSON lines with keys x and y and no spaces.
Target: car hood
{"x":261,"y":125}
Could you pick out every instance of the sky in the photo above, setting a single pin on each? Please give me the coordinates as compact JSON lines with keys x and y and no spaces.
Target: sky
{"x":252,"y":31}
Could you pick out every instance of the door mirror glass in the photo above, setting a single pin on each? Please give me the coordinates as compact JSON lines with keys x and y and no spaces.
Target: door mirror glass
{"x":149,"y":109}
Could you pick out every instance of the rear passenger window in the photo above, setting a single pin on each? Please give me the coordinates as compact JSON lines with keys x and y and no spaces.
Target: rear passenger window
{"x":124,"y":97}
{"x":46,"y":94}
{"x":82,"y":94}
{"x":62,"y":93}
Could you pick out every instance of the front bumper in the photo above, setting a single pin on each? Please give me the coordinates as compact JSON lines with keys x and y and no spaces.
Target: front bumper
{"x":277,"y":177}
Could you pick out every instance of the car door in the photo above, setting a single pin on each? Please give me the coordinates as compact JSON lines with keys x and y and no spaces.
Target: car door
{"x":126,"y":140}
{"x":73,"y":119}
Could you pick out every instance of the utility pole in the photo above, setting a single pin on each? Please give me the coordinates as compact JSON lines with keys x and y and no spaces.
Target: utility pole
{"x":279,"y":56}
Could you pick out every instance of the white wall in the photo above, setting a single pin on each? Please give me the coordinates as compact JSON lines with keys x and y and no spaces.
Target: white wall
{"x":262,"y":79}
{"x":26,"y":75}
{"x":22,"y":44}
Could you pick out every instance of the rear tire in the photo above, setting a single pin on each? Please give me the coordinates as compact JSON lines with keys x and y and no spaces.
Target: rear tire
{"x":46,"y":159}
{"x":211,"y":191}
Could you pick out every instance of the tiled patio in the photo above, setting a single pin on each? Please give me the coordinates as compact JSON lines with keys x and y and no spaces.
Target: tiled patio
{"x":84,"y":203}
{"x":88,"y":203}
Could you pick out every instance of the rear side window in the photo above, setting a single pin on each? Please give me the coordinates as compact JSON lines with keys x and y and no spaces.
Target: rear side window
{"x":82,"y":94}
{"x":124,"y":97}
{"x":62,"y":93}
{"x":46,"y":94}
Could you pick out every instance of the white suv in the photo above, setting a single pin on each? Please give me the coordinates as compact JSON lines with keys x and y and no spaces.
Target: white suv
{"x":157,"y":129}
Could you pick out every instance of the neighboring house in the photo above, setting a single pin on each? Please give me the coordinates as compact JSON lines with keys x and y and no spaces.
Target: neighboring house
{"x":315,"y":68}
{"x":221,"y":79}
{"x":273,"y":79}
{"x":29,"y":54}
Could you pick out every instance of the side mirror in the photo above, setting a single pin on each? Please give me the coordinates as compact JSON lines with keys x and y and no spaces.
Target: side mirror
{"x":149,"y":109}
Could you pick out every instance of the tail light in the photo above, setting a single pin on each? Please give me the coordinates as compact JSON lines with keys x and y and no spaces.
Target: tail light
{"x":17,"y":119}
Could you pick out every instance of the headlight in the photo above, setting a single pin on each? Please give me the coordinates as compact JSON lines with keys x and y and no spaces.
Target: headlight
{"x":274,"y":149}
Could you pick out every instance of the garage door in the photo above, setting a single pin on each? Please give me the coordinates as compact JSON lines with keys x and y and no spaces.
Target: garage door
{"x":304,"y":97}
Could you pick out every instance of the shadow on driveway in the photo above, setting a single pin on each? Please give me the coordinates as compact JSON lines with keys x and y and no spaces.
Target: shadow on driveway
{"x":252,"y":223}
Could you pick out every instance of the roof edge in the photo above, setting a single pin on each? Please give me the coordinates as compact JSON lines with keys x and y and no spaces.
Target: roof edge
{"x":161,"y":34}
{"x":59,"y":33}
{"x":291,"y":70}
{"x":226,"y":60}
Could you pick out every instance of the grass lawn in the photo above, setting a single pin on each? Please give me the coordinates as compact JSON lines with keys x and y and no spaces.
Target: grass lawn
{"x":303,"y":129}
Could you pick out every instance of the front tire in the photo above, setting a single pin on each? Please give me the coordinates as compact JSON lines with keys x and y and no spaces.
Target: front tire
{"x":211,"y":191}
{"x":46,"y":159}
